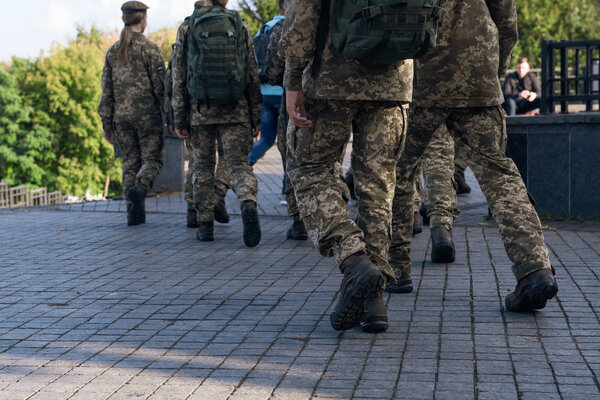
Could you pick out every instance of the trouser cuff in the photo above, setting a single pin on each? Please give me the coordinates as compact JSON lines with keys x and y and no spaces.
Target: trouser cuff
{"x":522,"y":270}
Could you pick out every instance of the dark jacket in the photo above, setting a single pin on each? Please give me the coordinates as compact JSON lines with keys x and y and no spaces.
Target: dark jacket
{"x":513,"y":85}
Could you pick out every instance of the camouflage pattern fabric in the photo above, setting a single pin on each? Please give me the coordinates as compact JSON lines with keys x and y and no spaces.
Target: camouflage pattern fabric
{"x":315,"y":172}
{"x":130,"y":106}
{"x":393,"y":83}
{"x":235,"y":139}
{"x":282,"y":124}
{"x":222,"y":179}
{"x":142,"y":146}
{"x":134,"y":90}
{"x":189,"y":112}
{"x":438,"y":173}
{"x":481,"y":134}
{"x":475,"y":39}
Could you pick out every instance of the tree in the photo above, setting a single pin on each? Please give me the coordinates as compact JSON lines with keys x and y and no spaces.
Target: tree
{"x":25,"y":147}
{"x":554,"y":20}
{"x":258,"y":12}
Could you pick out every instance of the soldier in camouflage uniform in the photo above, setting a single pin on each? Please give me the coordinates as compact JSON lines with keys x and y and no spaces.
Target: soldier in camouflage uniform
{"x":474,"y":44}
{"x":344,"y":96}
{"x":275,"y":70}
{"x":234,"y":126}
{"x":222,"y":179}
{"x":130,"y":107}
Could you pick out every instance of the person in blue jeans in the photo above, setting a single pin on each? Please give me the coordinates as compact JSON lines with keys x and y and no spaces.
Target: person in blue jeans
{"x":271,"y":94}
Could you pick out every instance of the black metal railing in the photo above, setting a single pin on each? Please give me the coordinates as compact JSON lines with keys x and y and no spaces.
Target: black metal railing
{"x":570,"y":74}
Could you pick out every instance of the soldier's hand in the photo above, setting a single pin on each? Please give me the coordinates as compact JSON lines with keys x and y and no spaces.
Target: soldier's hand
{"x":109,"y":136}
{"x":255,"y":131}
{"x":182,"y":134}
{"x":296,"y":110}
{"x":172,"y":130}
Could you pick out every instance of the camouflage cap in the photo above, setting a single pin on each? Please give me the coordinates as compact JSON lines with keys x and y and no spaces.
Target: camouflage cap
{"x":198,"y":4}
{"x":132,"y":7}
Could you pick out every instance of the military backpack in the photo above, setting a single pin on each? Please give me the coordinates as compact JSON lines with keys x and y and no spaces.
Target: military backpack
{"x":262,"y":50}
{"x":383,"y":31}
{"x":216,"y":56}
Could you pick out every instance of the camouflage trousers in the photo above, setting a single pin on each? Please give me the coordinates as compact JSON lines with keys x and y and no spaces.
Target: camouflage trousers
{"x":142,"y":146}
{"x":439,"y":193}
{"x":235,"y":140}
{"x":222,"y":179}
{"x":315,"y":172}
{"x":282,"y":125}
{"x":480,"y":133}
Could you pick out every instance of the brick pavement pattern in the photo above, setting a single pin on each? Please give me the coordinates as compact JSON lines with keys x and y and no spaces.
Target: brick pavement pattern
{"x":93,"y":309}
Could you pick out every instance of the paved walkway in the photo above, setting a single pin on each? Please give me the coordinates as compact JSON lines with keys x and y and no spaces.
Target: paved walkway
{"x":93,"y":309}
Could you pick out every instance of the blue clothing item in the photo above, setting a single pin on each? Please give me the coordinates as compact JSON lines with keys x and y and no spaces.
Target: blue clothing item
{"x":269,"y":115}
{"x":265,"y":88}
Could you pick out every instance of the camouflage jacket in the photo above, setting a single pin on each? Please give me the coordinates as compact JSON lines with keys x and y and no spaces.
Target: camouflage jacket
{"x":276,"y":64}
{"x":475,"y":39}
{"x":188,"y":111}
{"x":135,"y":90}
{"x":338,"y":78}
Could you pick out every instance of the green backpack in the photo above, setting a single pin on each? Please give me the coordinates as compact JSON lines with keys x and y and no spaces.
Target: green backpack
{"x":216,"y":56}
{"x":383,"y":31}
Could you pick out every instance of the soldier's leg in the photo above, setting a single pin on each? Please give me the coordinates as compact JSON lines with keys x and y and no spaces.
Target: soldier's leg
{"x":152,"y":152}
{"x":235,"y":139}
{"x":222,"y":185}
{"x":132,"y":162}
{"x":460,"y":165}
{"x":438,"y":170}
{"x":203,"y":142}
{"x":192,"y":218}
{"x":423,"y":124}
{"x":374,"y":166}
{"x":482,"y":132}
{"x":297,"y":231}
{"x":320,"y":195}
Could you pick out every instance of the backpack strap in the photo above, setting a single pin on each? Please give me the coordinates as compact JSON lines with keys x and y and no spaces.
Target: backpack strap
{"x":322,"y":34}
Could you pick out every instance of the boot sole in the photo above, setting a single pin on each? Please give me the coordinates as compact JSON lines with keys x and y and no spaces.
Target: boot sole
{"x":400,"y":287}
{"x":534,"y":299}
{"x":252,"y":233}
{"x":136,"y":207}
{"x":351,"y":307}
{"x":443,"y":254}
{"x":377,"y":325}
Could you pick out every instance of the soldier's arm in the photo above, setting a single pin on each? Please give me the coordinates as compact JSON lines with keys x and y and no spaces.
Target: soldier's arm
{"x":253,"y":94}
{"x":107,"y":100}
{"x":180,"y":100}
{"x":300,"y":39}
{"x":156,"y":72}
{"x":504,"y":15}
{"x":276,"y":64}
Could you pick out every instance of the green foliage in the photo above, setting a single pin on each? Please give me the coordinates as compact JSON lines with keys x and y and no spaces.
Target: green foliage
{"x":164,"y":38}
{"x":25,"y":147}
{"x":62,"y":93}
{"x":554,"y":20}
{"x":258,"y":12}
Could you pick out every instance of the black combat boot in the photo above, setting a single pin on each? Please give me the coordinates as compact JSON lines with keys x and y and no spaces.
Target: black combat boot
{"x":417,"y":224}
{"x":403,"y":285}
{"x":350,"y":182}
{"x":442,"y":246}
{"x":192,"y":218}
{"x":374,"y":318}
{"x":297,"y":231}
{"x":206,"y":231}
{"x":252,"y":232}
{"x":462,"y":187}
{"x":137,"y":197}
{"x":362,"y":280}
{"x":221,"y":214}
{"x":423,"y":212}
{"x":130,"y":220}
{"x":532,"y":292}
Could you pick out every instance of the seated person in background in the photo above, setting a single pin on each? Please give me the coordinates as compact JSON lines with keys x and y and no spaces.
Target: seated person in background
{"x":521,"y":90}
